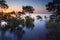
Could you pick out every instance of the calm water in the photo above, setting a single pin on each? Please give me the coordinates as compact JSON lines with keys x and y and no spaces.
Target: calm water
{"x":36,"y":32}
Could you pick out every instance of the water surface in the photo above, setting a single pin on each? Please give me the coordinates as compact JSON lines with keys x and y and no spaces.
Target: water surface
{"x":36,"y":32}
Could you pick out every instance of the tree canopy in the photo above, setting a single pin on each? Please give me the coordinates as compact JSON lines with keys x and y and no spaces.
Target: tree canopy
{"x":29,"y":9}
{"x":3,"y":4}
{"x":54,"y":6}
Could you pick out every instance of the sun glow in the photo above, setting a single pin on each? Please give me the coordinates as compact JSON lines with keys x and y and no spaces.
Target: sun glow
{"x":7,"y":10}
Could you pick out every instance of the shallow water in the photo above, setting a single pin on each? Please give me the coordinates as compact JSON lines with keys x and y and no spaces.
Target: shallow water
{"x":38,"y":32}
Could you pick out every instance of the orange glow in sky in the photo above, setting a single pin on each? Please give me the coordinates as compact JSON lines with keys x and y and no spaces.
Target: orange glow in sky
{"x":7,"y":10}
{"x":16,"y":9}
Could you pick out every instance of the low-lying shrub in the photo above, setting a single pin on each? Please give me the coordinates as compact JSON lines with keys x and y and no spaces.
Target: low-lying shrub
{"x":51,"y":25}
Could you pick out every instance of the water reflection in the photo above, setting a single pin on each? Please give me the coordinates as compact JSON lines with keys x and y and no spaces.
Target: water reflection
{"x":24,"y":33}
{"x":53,"y":36}
{"x":7,"y":34}
{"x":30,"y":25}
{"x":29,"y":22}
{"x":53,"y":32}
{"x":2,"y":35}
{"x":18,"y":33}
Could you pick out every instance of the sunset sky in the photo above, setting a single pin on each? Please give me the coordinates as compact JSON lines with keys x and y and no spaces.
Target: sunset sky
{"x":39,"y":5}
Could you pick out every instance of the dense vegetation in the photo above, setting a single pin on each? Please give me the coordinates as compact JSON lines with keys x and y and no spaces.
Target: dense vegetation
{"x":54,"y":23}
{"x":14,"y":22}
{"x":55,"y":8}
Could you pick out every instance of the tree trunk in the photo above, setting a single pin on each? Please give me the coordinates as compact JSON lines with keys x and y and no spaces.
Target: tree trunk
{"x":29,"y":14}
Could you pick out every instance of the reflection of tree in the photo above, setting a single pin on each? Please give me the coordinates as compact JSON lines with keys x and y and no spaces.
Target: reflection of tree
{"x":3,"y":35}
{"x":53,"y":36}
{"x":29,"y":22}
{"x":54,"y":32}
{"x":3,"y":32}
{"x":18,"y":33}
{"x":30,"y":25}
